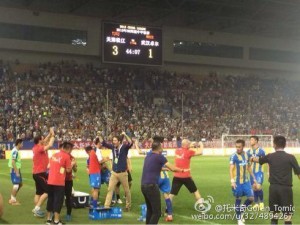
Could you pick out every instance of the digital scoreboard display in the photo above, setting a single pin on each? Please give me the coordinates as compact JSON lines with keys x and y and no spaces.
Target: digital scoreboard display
{"x":131,"y":44}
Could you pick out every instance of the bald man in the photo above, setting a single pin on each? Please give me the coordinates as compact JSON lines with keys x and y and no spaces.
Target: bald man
{"x":183,"y":157}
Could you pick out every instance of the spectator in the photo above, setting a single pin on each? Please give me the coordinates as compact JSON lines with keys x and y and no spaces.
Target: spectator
{"x":40,"y":95}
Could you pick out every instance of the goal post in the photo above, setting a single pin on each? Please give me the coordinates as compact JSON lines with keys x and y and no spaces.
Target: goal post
{"x":228,"y":142}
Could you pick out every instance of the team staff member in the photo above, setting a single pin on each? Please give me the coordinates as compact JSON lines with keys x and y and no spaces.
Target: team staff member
{"x":281,"y":166}
{"x":40,"y":165}
{"x":119,"y":168}
{"x":68,"y":189}
{"x":129,"y":171}
{"x":14,"y":163}
{"x":183,"y":157}
{"x":163,"y":181}
{"x":153,"y":164}
{"x":60,"y":164}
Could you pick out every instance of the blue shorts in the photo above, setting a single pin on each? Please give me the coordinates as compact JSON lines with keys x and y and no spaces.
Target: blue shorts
{"x":95,"y":180}
{"x":105,"y":176}
{"x":164,"y":185}
{"x":14,"y":178}
{"x":241,"y":190}
{"x":259,"y":177}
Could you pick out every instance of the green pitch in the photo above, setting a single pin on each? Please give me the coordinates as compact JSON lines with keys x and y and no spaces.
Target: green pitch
{"x":211,"y":175}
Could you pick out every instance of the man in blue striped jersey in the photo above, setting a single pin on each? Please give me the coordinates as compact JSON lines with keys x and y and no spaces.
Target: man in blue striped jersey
{"x":258,"y":172}
{"x":240,"y":168}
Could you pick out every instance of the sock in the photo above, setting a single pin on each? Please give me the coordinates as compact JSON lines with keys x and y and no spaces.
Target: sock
{"x":255,"y":196}
{"x":261,"y":195}
{"x":13,"y":198}
{"x":169,"y":206}
{"x":200,"y":200}
{"x":118,"y":196}
{"x":274,"y":221}
{"x":287,"y":222}
{"x":52,"y":216}
{"x":94,"y":203}
{"x":37,"y":208}
{"x":16,"y":187}
{"x":246,"y":204}
{"x":237,"y":208}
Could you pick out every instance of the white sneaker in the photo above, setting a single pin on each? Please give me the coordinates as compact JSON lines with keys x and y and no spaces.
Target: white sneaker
{"x":242,"y":218}
{"x":255,"y":207}
{"x":119,"y":201}
{"x":240,"y":222}
{"x":261,"y":206}
{"x":38,"y":213}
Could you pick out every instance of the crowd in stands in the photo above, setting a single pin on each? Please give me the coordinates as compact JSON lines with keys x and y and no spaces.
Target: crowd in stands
{"x":82,"y":100}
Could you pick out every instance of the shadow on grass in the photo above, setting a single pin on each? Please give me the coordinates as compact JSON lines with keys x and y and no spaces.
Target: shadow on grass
{"x":2,"y":221}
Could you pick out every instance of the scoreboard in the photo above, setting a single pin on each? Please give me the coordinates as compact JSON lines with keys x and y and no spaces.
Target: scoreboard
{"x":131,"y":44}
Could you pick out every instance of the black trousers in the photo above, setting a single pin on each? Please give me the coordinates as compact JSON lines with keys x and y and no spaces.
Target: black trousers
{"x":152,"y":198}
{"x":56,"y":196}
{"x":68,"y":194}
{"x":281,"y":199}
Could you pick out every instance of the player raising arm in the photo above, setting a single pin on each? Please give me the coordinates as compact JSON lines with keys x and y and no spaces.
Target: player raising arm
{"x":197,"y":148}
{"x":183,"y":157}
{"x":40,"y":166}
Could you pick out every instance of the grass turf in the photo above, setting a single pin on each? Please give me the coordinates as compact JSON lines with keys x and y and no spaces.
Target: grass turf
{"x":211,"y":175}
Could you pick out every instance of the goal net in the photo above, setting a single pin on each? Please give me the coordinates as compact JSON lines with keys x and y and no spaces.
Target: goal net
{"x":228,"y":142}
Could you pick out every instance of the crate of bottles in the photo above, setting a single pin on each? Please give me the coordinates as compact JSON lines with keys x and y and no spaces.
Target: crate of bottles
{"x":143,"y":210}
{"x":104,"y":213}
